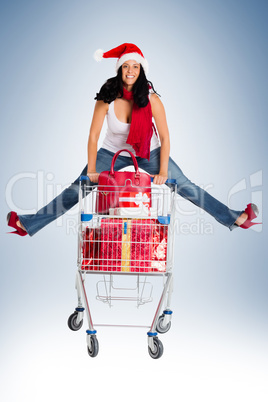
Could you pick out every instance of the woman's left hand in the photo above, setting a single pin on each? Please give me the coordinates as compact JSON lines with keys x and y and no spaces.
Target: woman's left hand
{"x":160,"y":178}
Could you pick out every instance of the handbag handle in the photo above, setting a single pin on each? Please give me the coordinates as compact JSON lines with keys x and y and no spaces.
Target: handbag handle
{"x":133,"y":159}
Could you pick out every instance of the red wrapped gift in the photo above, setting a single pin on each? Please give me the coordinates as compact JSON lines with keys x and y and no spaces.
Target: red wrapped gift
{"x":141,"y":245}
{"x":111,"y":238}
{"x":159,"y":249}
{"x":91,"y":249}
{"x":134,"y":199}
{"x":126,"y":245}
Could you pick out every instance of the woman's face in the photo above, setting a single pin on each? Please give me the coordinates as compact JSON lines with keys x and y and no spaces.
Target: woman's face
{"x":130,"y":72}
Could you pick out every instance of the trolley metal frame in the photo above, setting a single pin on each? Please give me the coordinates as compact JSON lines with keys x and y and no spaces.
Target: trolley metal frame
{"x":89,"y":217}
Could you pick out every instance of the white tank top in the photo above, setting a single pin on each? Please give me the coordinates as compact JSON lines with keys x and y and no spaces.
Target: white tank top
{"x":117,"y":133}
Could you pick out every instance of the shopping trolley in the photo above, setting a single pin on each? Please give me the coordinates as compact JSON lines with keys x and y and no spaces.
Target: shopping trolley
{"x":128,"y":236}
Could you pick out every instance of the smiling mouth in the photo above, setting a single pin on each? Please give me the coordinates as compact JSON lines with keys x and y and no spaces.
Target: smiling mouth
{"x":130,"y":76}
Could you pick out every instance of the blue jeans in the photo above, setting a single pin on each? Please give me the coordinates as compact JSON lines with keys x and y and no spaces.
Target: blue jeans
{"x":69,"y":197}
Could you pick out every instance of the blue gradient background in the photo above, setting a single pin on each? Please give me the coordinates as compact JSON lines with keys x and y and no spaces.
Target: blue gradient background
{"x":208,"y":60}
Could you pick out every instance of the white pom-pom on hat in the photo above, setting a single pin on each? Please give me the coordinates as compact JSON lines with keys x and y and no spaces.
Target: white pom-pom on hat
{"x":98,"y":55}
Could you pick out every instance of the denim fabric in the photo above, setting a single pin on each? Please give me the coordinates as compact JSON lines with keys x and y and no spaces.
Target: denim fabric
{"x":69,"y":197}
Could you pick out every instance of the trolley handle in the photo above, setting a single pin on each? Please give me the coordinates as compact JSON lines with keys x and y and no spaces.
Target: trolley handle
{"x":84,"y":178}
{"x":169,"y":181}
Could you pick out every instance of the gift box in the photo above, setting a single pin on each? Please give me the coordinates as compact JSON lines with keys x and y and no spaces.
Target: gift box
{"x":159,"y":249}
{"x":140,"y":211}
{"x":114,"y":197}
{"x":131,"y":199}
{"x":126,"y":245}
{"x":111,"y":238}
{"x":141,"y":245}
{"x":91,"y":249}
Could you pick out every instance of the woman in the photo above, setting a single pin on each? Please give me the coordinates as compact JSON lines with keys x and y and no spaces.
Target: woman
{"x":129,"y":102}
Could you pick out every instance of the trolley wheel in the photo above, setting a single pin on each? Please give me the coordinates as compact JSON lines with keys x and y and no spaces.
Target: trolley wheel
{"x":159,"y":326}
{"x":94,"y":350}
{"x":72,"y":323}
{"x":158,"y":350}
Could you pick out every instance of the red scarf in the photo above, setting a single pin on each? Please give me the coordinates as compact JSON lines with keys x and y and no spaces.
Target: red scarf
{"x":141,"y":128}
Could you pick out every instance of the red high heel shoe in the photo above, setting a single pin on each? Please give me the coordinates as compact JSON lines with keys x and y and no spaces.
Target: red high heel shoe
{"x":252,"y":212}
{"x":12,"y":219}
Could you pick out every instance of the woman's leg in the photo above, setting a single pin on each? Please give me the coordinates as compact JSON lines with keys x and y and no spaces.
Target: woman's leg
{"x":69,"y":197}
{"x":57,"y":207}
{"x":192,"y":192}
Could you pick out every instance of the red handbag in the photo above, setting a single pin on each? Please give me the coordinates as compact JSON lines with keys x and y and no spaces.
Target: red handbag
{"x":113,"y":184}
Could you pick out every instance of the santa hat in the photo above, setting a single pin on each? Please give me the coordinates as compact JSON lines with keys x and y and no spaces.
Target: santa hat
{"x":124,"y":52}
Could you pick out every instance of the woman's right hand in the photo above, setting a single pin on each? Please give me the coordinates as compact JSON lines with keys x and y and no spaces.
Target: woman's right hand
{"x":93,"y":176}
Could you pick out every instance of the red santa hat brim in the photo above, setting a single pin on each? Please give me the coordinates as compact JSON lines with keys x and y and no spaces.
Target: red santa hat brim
{"x":132,"y":56}
{"x":100,"y":54}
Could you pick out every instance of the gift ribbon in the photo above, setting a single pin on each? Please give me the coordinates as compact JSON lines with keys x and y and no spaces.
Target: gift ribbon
{"x":126,"y":237}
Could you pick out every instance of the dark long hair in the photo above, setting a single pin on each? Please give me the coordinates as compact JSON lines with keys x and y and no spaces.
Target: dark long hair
{"x":114,"y":86}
